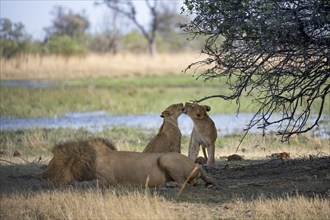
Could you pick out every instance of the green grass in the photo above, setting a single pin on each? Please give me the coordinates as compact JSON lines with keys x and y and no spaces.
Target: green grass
{"x":119,"y":95}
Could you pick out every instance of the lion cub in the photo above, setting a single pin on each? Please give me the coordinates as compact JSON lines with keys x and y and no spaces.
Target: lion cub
{"x":204,"y":132}
{"x":168,"y":138}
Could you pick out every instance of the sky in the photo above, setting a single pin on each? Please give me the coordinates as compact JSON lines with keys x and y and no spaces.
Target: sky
{"x":36,"y":14}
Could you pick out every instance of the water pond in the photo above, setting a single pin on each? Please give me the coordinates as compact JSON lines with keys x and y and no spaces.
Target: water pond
{"x":99,"y":120}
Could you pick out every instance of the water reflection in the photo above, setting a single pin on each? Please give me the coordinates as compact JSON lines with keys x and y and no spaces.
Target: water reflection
{"x":27,"y":83}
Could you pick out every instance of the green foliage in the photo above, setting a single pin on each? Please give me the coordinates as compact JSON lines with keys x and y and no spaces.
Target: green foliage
{"x":12,"y":31}
{"x":135,"y":42}
{"x":65,"y":45}
{"x":11,"y":48}
{"x":15,"y":41}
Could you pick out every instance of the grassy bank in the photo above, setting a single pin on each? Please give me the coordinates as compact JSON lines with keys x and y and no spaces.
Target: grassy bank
{"x":119,"y":84}
{"x":119,"y":95}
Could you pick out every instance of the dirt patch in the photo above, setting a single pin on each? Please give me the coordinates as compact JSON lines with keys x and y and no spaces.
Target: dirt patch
{"x":246,"y":179}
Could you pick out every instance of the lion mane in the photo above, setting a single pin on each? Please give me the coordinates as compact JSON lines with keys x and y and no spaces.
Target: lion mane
{"x":75,"y":160}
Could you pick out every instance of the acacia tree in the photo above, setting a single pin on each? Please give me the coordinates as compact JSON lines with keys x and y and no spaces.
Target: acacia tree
{"x":276,"y":51}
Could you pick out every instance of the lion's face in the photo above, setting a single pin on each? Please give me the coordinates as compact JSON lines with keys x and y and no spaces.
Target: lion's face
{"x":58,"y":171}
{"x":173,"y":110}
{"x":196,"y":111}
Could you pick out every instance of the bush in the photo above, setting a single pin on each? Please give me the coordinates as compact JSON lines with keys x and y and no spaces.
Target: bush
{"x":65,"y":45}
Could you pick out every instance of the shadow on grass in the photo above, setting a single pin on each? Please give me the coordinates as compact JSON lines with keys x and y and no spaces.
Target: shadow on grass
{"x":267,"y":178}
{"x":19,"y":177}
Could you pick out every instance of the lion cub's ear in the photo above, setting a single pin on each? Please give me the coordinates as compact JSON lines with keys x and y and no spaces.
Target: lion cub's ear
{"x":207,"y":108}
{"x":165,"y":113}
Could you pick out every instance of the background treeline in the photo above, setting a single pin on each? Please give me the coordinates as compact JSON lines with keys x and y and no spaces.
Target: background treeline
{"x":68,"y":35}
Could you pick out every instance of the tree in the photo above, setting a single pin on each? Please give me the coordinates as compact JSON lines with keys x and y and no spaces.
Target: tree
{"x":107,"y":39}
{"x":128,"y":9}
{"x":12,"y":31}
{"x":14,"y":40}
{"x":276,"y":51}
{"x":67,"y":23}
{"x":67,"y":35}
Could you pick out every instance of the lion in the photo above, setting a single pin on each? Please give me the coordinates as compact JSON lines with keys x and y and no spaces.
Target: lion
{"x":282,"y":155}
{"x":75,"y":160}
{"x":235,"y":157}
{"x":84,"y":161}
{"x":204,"y":132}
{"x":201,"y":160}
{"x":168,"y":138}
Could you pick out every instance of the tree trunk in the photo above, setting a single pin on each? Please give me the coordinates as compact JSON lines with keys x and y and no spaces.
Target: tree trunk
{"x":152,"y":48}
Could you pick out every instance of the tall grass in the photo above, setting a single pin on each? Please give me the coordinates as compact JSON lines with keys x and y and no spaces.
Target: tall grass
{"x":71,"y":204}
{"x":92,"y":65}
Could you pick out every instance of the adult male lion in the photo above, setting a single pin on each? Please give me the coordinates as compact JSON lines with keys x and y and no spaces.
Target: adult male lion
{"x":80,"y":161}
{"x":168,"y":138}
{"x":204,"y":132}
{"x":75,"y":160}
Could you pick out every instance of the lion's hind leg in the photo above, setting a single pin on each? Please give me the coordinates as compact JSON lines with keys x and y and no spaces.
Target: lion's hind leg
{"x":171,"y":167}
{"x":207,"y":179}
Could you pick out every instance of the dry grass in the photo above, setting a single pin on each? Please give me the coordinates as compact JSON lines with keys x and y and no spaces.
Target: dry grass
{"x":90,"y":204}
{"x":297,"y":207}
{"x":256,"y":147}
{"x":92,"y":65}
{"x":137,"y":204}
